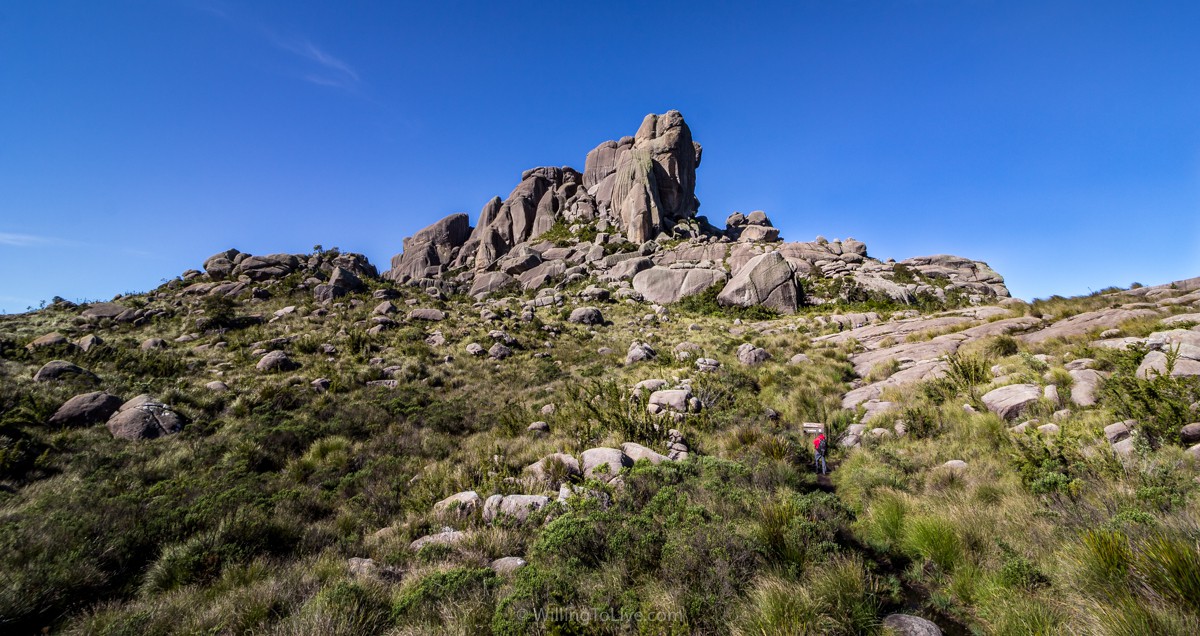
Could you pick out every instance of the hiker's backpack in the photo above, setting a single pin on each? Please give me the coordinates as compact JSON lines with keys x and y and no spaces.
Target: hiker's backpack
{"x":822,"y":444}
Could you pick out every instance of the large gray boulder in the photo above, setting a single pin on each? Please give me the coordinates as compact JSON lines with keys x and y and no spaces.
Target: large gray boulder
{"x":586,"y":316}
{"x":59,"y":370}
{"x":507,"y":565}
{"x":86,"y":409}
{"x":672,"y":401}
{"x":462,"y":504}
{"x":264,"y":268}
{"x":1084,"y":385}
{"x":98,"y":311}
{"x":144,"y":418}
{"x":220,"y":265}
{"x":512,"y":507}
{"x":1010,"y":401}
{"x":53,"y":339}
{"x":427,"y":313}
{"x":907,"y":625}
{"x":663,"y":285}
{"x":448,"y":536}
{"x":276,"y":361}
{"x":1190,"y":434}
{"x":486,"y":283}
{"x":766,"y":280}
{"x":751,"y":356}
{"x":639,"y":352}
{"x":1119,"y":431}
{"x":637,"y":452}
{"x":603,"y":463}
{"x":554,"y":468}
{"x":341,"y":282}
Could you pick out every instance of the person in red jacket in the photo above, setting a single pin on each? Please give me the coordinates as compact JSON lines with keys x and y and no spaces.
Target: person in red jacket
{"x":820,"y":445}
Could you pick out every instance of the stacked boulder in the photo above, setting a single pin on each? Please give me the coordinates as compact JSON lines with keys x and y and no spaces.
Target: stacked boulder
{"x":751,"y":228}
{"x":232,"y":273}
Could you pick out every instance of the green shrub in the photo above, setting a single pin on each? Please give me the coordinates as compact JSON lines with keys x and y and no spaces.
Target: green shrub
{"x":778,"y":607}
{"x":966,"y":371}
{"x":1161,"y":404}
{"x":1171,"y":567}
{"x":797,"y":530}
{"x":346,"y":608}
{"x":883,"y":526}
{"x":1018,"y":571}
{"x":935,"y":540}
{"x":419,"y":602}
{"x":1103,"y":558}
{"x":1002,"y":346}
{"x":705,"y":304}
{"x":1133,"y":616}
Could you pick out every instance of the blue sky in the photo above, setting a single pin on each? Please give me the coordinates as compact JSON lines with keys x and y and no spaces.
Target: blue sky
{"x":1059,"y":141}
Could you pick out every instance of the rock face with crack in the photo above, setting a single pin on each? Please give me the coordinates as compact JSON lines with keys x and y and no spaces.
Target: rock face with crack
{"x":143,"y":417}
{"x":767,"y":280}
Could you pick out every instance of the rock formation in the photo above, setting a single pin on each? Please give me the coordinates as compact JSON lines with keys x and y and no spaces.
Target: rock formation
{"x":631,"y":216}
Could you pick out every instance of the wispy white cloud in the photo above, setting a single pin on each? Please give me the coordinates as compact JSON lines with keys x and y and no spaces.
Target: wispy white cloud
{"x":27,"y":240}
{"x":325,"y":69}
{"x":330,"y":70}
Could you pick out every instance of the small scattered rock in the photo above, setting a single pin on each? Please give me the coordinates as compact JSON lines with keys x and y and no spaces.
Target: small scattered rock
{"x":1190,"y":434}
{"x":448,"y":536}
{"x":57,"y":370}
{"x":507,"y":565}
{"x":1118,"y":431}
{"x":638,"y":352}
{"x":86,"y":409}
{"x":54,"y":339}
{"x":586,"y":316}
{"x":908,"y":625}
{"x":276,"y":361}
{"x":462,"y":504}
{"x":433,"y":315}
{"x":750,"y":355}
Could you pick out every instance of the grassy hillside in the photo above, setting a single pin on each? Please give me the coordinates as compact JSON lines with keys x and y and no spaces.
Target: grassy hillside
{"x":246,"y":521}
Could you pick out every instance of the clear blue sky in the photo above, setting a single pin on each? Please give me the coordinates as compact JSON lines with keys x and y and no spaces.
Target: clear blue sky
{"x":1059,"y":141}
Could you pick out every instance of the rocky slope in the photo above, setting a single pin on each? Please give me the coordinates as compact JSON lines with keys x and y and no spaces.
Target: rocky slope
{"x":596,"y":402}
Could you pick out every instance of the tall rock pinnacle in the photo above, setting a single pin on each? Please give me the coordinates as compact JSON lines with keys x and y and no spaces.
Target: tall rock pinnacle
{"x":640,"y":186}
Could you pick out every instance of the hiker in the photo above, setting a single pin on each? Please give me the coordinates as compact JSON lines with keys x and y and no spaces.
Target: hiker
{"x":821,"y":445}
